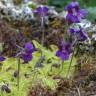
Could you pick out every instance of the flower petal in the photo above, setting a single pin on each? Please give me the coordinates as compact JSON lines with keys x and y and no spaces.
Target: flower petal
{"x":29,"y":47}
{"x":26,"y":57}
{"x":2,"y":58}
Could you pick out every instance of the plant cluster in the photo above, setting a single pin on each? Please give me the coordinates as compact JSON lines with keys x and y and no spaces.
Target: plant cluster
{"x":43,"y":60}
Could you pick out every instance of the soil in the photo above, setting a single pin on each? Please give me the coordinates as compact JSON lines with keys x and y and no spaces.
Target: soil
{"x":83,"y":84}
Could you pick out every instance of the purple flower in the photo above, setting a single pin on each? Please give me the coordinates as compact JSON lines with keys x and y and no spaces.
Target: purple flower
{"x":71,"y":6}
{"x":2,"y":58}
{"x":26,"y":55}
{"x":42,"y":11}
{"x":78,"y":34}
{"x":64,"y":51}
{"x":26,"y":52}
{"x":75,"y":14}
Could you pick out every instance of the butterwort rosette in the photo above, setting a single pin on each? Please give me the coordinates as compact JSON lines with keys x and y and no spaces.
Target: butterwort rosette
{"x":74,"y":13}
{"x":64,"y":50}
{"x":78,"y":34}
{"x":42,"y":11}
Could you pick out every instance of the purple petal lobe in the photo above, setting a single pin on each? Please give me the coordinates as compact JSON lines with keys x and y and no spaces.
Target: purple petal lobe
{"x":29,"y":47}
{"x":26,"y":57}
{"x":63,"y":55}
{"x":2,"y":58}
